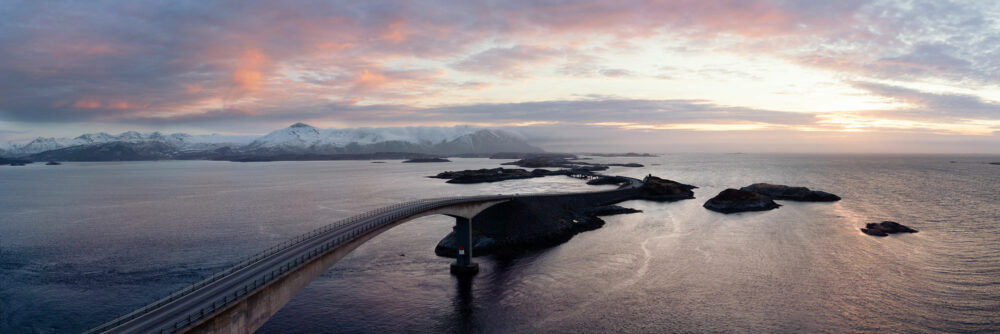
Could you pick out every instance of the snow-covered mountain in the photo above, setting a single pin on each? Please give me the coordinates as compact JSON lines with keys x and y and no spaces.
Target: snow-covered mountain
{"x":180,"y":141}
{"x":294,"y":140}
{"x":436,"y":140}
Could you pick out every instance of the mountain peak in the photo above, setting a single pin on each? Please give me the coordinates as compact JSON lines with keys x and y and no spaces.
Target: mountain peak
{"x":300,"y":125}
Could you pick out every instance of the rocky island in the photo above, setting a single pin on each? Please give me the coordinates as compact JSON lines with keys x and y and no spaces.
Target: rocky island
{"x":14,"y":162}
{"x":562,"y":162}
{"x":602,"y":180}
{"x":663,"y":190}
{"x":418,"y":160}
{"x":629,"y":154}
{"x":520,"y":155}
{"x":885,"y":228}
{"x":488,"y":175}
{"x":534,"y":222}
{"x":503,"y":174}
{"x":782,"y":192}
{"x":733,"y":200}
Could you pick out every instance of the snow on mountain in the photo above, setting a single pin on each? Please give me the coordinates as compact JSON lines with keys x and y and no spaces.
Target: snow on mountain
{"x":178,"y":140}
{"x":298,"y":138}
{"x":303,"y":136}
{"x":91,"y":138}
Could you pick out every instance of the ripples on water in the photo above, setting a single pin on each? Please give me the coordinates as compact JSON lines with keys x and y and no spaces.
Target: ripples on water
{"x":82,"y":243}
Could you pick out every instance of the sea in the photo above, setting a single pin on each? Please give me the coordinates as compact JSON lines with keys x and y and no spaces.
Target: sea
{"x":82,"y":243}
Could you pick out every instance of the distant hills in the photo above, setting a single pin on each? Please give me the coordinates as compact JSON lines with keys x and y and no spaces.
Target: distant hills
{"x":296,"y":142}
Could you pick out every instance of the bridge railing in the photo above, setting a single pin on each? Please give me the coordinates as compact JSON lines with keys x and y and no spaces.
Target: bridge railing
{"x":249,"y":261}
{"x":248,"y":288}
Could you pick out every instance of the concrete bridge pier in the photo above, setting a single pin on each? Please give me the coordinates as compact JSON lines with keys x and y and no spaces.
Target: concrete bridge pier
{"x":463,"y":234}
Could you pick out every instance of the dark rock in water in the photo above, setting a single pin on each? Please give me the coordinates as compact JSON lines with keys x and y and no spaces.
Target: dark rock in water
{"x":777,"y":191}
{"x":629,"y":154}
{"x":486,"y":175}
{"x":885,"y":228}
{"x":53,"y":163}
{"x":517,"y":155}
{"x":732,"y":200}
{"x":543,"y":161}
{"x":427,"y":160}
{"x":663,"y":190}
{"x":14,"y":162}
{"x":616,"y":180}
{"x":378,"y":162}
{"x":995,"y":163}
{"x":533,"y":222}
{"x":631,"y":164}
{"x":503,"y":174}
{"x":874,"y":231}
{"x":562,"y":162}
{"x":609,"y":210}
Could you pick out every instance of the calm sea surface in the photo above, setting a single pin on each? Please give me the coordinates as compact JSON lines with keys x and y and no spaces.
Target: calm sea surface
{"x":83,"y":243}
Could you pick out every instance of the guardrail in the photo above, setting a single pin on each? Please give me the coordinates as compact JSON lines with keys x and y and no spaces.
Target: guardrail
{"x":383,"y":215}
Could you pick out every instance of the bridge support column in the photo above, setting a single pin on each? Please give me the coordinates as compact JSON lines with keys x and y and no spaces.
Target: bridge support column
{"x":463,"y":234}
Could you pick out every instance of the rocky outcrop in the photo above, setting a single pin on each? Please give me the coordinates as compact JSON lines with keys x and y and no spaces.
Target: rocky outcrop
{"x":733,"y":200}
{"x":609,"y":210}
{"x":542,"y":161}
{"x":14,"y":162}
{"x":563,"y":162}
{"x":663,"y":190}
{"x":995,"y":163}
{"x":418,"y":160}
{"x":629,"y":154}
{"x":503,"y":174}
{"x":535,"y":222}
{"x":521,"y":155}
{"x":603,"y":180}
{"x":783,"y":192}
{"x":53,"y":163}
{"x":488,"y":175}
{"x":885,"y":228}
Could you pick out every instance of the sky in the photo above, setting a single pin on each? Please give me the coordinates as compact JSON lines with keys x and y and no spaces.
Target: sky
{"x":655,"y":76}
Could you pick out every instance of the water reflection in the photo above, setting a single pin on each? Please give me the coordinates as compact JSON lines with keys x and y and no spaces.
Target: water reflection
{"x":465,"y":320}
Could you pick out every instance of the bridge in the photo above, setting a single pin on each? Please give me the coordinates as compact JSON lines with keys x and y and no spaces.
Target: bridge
{"x":243,"y":297}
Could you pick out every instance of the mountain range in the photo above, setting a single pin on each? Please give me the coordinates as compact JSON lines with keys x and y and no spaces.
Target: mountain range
{"x":298,"y":139}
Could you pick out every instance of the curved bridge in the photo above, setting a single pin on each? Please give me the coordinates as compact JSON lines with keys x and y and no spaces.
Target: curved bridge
{"x":242,"y":298}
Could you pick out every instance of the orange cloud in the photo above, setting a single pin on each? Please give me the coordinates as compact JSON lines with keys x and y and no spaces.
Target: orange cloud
{"x":397,"y":32}
{"x":248,"y":76}
{"x":368,"y":79}
{"x":87,"y":103}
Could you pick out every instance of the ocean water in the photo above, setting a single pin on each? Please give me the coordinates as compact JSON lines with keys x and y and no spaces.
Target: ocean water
{"x":85,"y":242}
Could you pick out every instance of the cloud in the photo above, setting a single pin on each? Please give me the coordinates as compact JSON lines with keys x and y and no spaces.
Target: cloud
{"x":621,"y":113}
{"x":616,"y":72}
{"x":955,"y":41}
{"x":934,"y":106}
{"x":511,"y":62}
